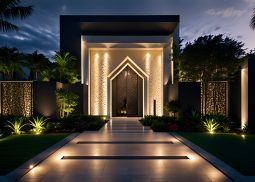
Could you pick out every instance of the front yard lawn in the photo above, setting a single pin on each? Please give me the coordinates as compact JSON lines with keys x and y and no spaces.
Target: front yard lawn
{"x":17,"y":149}
{"x":230,"y":148}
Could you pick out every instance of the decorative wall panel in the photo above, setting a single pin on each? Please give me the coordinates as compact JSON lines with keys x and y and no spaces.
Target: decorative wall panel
{"x":214,"y":98}
{"x":16,"y":98}
{"x":149,"y":60}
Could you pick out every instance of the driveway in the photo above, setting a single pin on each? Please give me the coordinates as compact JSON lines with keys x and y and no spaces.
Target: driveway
{"x":125,"y":151}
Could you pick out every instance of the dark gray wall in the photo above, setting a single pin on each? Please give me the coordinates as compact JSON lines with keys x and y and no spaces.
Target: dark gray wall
{"x":73,"y":26}
{"x":85,"y":99}
{"x":189,"y":97}
{"x":235,"y":99}
{"x":80,"y":90}
{"x":188,"y":94}
{"x":173,"y":92}
{"x":44,"y":99}
{"x":70,"y":39}
{"x":251,"y":92}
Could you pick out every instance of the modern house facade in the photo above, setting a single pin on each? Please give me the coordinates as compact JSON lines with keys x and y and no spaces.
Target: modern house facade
{"x":126,"y":61}
{"x":127,"y":70}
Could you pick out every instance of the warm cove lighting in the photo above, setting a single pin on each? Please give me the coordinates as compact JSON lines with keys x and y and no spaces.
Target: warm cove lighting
{"x":95,"y":86}
{"x":172,"y":71}
{"x":244,"y":97}
{"x":148,"y":56}
{"x":99,"y":70}
{"x":192,"y":157}
{"x":104,"y":73}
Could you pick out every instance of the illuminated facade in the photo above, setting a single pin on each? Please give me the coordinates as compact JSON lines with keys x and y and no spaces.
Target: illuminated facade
{"x":126,"y":61}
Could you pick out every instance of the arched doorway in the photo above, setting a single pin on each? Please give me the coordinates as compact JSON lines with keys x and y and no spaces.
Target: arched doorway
{"x":127,"y":94}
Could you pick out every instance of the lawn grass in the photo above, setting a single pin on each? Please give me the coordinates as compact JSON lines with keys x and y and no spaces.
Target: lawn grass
{"x":17,"y":149}
{"x":230,"y":148}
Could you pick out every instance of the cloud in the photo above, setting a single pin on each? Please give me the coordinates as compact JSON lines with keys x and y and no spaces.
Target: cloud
{"x":41,"y":30}
{"x":63,"y":8}
{"x":18,"y":37}
{"x":31,"y":38}
{"x":250,"y":2}
{"x":217,"y":28}
{"x":228,"y":12}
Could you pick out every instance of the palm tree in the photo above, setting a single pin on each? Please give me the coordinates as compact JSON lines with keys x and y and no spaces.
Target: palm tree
{"x":37,"y":63}
{"x":11,"y":10}
{"x":252,"y":23}
{"x":64,"y":60}
{"x":10,"y":62}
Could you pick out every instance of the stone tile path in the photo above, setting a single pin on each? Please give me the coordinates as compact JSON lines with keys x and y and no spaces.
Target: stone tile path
{"x":125,"y":137}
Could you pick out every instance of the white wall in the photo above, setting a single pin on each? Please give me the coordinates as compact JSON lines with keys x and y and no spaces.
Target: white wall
{"x":103,"y":61}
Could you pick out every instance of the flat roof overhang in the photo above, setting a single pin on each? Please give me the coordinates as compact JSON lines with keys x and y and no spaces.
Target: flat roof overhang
{"x":122,"y":24}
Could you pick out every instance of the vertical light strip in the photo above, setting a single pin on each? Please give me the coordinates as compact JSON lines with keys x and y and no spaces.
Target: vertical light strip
{"x":160,"y":99}
{"x":82,"y":60}
{"x":172,"y":71}
{"x":148,"y":71}
{"x":104,"y":74}
{"x":244,"y":97}
{"x":143,"y":97}
{"x":95,"y":83}
{"x":110,"y":98}
{"x":89,"y":85}
{"x":171,"y":59}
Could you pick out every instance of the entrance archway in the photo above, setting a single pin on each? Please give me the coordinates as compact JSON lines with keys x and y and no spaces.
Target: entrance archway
{"x":127,"y":94}
{"x":128,"y":90}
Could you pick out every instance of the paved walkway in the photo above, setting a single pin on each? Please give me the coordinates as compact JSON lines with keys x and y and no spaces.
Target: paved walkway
{"x":125,"y":151}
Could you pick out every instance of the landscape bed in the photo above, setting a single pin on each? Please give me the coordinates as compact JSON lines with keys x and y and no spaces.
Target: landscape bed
{"x":234,"y":149}
{"x":20,"y":148}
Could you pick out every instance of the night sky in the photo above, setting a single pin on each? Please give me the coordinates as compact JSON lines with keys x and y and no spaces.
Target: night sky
{"x":197,"y":17}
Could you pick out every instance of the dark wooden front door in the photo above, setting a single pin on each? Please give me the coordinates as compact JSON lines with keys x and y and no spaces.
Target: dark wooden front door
{"x":127,"y":94}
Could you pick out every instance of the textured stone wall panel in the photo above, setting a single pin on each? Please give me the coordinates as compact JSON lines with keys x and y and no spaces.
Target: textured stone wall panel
{"x":16,"y":98}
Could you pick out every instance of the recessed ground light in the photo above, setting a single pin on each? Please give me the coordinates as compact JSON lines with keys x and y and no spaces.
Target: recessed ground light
{"x":243,"y":136}
{"x":125,"y":142}
{"x":124,"y":157}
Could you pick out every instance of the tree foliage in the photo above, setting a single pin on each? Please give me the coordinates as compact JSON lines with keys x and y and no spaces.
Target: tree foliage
{"x":37,"y":63}
{"x":11,"y":61}
{"x":252,"y":22}
{"x":13,"y":64}
{"x":210,"y":58}
{"x":66,"y":67}
{"x":67,"y":101}
{"x":11,"y":10}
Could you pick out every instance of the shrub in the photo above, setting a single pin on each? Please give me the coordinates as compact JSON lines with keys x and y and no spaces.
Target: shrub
{"x":168,"y":119}
{"x":159,"y":126}
{"x":225,"y":128}
{"x":66,"y":100}
{"x":172,"y":107}
{"x":66,"y":124}
{"x":223,"y":121}
{"x":77,"y":122}
{"x":148,"y":119}
{"x":191,"y":121}
{"x":246,"y":129}
{"x":95,"y":125}
{"x":91,"y":118}
{"x":38,"y":124}
{"x":211,"y":125}
{"x":173,"y":127}
{"x":16,"y":125}
{"x":195,"y":116}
